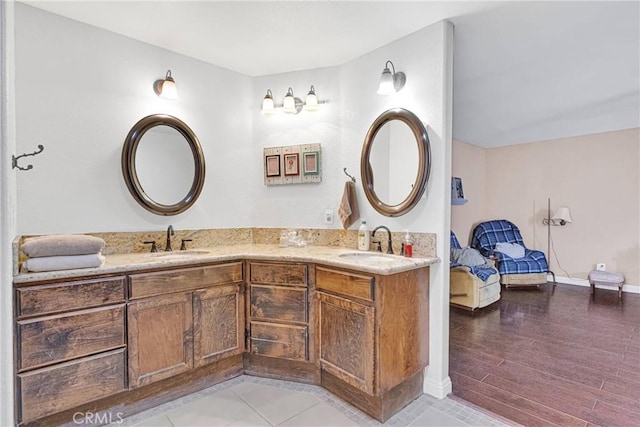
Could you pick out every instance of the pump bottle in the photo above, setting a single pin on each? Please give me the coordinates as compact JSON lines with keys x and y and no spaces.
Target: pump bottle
{"x":364,"y":237}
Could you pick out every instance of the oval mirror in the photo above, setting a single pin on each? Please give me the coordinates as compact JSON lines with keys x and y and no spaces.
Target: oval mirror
{"x":396,"y":156}
{"x":163,"y":164}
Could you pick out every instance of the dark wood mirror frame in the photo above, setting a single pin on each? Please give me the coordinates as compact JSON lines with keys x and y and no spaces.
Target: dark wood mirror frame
{"x":424,"y":162}
{"x":129,"y":164}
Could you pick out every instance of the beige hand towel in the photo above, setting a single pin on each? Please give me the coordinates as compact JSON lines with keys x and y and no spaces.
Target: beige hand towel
{"x":54,"y":263}
{"x":348,"y":210}
{"x":62,"y":244}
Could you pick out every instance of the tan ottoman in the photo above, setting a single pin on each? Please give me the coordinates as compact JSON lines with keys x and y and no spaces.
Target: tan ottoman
{"x":606,"y":278}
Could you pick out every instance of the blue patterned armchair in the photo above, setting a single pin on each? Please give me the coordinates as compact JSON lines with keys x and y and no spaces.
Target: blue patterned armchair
{"x":472,"y":287}
{"x":530,"y":270}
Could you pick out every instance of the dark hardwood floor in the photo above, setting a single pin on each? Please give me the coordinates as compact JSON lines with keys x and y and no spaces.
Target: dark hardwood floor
{"x":543,"y":358}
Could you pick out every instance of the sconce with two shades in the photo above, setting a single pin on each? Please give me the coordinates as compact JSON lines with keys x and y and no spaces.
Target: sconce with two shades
{"x":290,"y":104}
{"x":391,"y":82}
{"x":166,"y":88}
{"x":560,"y":218}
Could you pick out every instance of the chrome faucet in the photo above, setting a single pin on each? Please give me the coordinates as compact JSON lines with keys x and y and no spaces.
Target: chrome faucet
{"x":389,"y":245}
{"x":170,"y":233}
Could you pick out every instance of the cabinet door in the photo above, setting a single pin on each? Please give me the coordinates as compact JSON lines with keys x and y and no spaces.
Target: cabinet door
{"x":218,"y":323}
{"x":346,"y":340}
{"x":160,"y":341}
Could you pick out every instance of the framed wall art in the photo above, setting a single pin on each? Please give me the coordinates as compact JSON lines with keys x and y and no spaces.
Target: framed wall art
{"x":292,"y":164}
{"x":272,"y":165}
{"x":311,"y":163}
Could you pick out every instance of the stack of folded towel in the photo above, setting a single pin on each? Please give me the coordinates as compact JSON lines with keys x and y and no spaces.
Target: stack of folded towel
{"x":62,"y":252}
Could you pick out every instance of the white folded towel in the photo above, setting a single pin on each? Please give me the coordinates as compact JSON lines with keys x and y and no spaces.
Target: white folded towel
{"x":67,"y":262}
{"x":62,"y":244}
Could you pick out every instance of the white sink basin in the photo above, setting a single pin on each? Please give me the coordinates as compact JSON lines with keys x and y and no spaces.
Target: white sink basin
{"x":367,"y":256}
{"x":179,"y":254}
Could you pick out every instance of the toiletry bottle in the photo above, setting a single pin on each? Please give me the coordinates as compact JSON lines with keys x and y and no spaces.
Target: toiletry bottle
{"x":364,"y":237}
{"x":408,"y":245}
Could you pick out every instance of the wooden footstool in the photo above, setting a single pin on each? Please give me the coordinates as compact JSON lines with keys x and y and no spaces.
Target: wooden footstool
{"x":606,"y":278}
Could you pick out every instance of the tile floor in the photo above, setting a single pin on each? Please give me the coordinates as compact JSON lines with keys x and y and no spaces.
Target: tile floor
{"x":256,"y":402}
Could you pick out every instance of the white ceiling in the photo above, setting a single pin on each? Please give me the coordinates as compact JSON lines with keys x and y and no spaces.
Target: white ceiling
{"x":523,"y":71}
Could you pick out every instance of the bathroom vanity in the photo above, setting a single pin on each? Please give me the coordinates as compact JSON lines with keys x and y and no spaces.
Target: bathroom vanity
{"x":144,"y":330}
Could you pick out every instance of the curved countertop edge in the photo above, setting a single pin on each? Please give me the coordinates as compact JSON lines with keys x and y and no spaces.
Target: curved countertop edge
{"x":325,"y":255}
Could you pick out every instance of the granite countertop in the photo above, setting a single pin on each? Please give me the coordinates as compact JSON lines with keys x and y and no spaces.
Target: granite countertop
{"x":376,"y":263}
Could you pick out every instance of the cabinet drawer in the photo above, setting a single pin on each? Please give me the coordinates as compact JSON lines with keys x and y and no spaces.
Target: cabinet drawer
{"x":278,"y":274}
{"x":276,"y":340}
{"x":344,"y":283}
{"x":45,"y":340}
{"x":279,"y":303}
{"x":184,"y":279}
{"x":59,"y":387}
{"x":67,"y":296}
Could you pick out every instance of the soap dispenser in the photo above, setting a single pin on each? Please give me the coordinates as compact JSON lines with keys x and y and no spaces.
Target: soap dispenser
{"x":364,"y":237}
{"x":408,"y":245}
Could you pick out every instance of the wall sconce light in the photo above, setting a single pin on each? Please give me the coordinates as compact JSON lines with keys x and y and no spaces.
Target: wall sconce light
{"x":268,"y":107}
{"x":166,"y":88}
{"x":560,"y":218}
{"x":290,"y":104}
{"x":391,"y":83}
{"x":311,"y":103}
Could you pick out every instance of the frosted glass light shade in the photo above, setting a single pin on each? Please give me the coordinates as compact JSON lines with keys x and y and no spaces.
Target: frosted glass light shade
{"x":386,"y":86}
{"x":311,"y":103}
{"x":166,"y":88}
{"x":169,"y":90}
{"x":268,"y":106}
{"x":289,"y":104}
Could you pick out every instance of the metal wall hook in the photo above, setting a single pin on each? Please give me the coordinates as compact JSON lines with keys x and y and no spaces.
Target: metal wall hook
{"x":14,"y":159}
{"x":347,"y":173}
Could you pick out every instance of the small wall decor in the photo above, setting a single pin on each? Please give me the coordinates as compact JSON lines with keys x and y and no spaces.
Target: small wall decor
{"x":272,"y":165}
{"x":310,"y":163}
{"x":292,"y":164}
{"x":291,"y":167}
{"x":457,"y":193}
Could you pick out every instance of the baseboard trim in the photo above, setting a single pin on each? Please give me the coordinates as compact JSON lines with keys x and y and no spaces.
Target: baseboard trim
{"x":632,"y":289}
{"x":437,"y":389}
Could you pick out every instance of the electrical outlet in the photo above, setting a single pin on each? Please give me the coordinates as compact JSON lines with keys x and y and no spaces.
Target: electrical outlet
{"x":328,"y":216}
{"x":601,"y":267}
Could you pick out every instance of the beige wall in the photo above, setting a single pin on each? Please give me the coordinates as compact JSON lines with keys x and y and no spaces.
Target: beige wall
{"x":597,"y":176}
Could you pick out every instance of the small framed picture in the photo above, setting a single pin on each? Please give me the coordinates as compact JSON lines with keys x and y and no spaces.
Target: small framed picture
{"x":310,"y":163}
{"x":273,"y":165}
{"x":456,"y":188}
{"x":291,"y":164}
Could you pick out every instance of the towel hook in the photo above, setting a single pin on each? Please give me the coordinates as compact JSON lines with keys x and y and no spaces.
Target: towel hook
{"x":347,"y":173}
{"x":14,"y":159}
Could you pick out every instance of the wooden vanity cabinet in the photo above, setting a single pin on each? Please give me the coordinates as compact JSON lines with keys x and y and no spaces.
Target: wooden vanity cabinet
{"x":278,"y":329}
{"x":132,"y":342}
{"x":373,"y":334}
{"x":183,"y":319}
{"x":70,"y":344}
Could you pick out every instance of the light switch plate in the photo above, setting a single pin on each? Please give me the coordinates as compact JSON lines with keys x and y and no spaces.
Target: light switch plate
{"x":601,"y":267}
